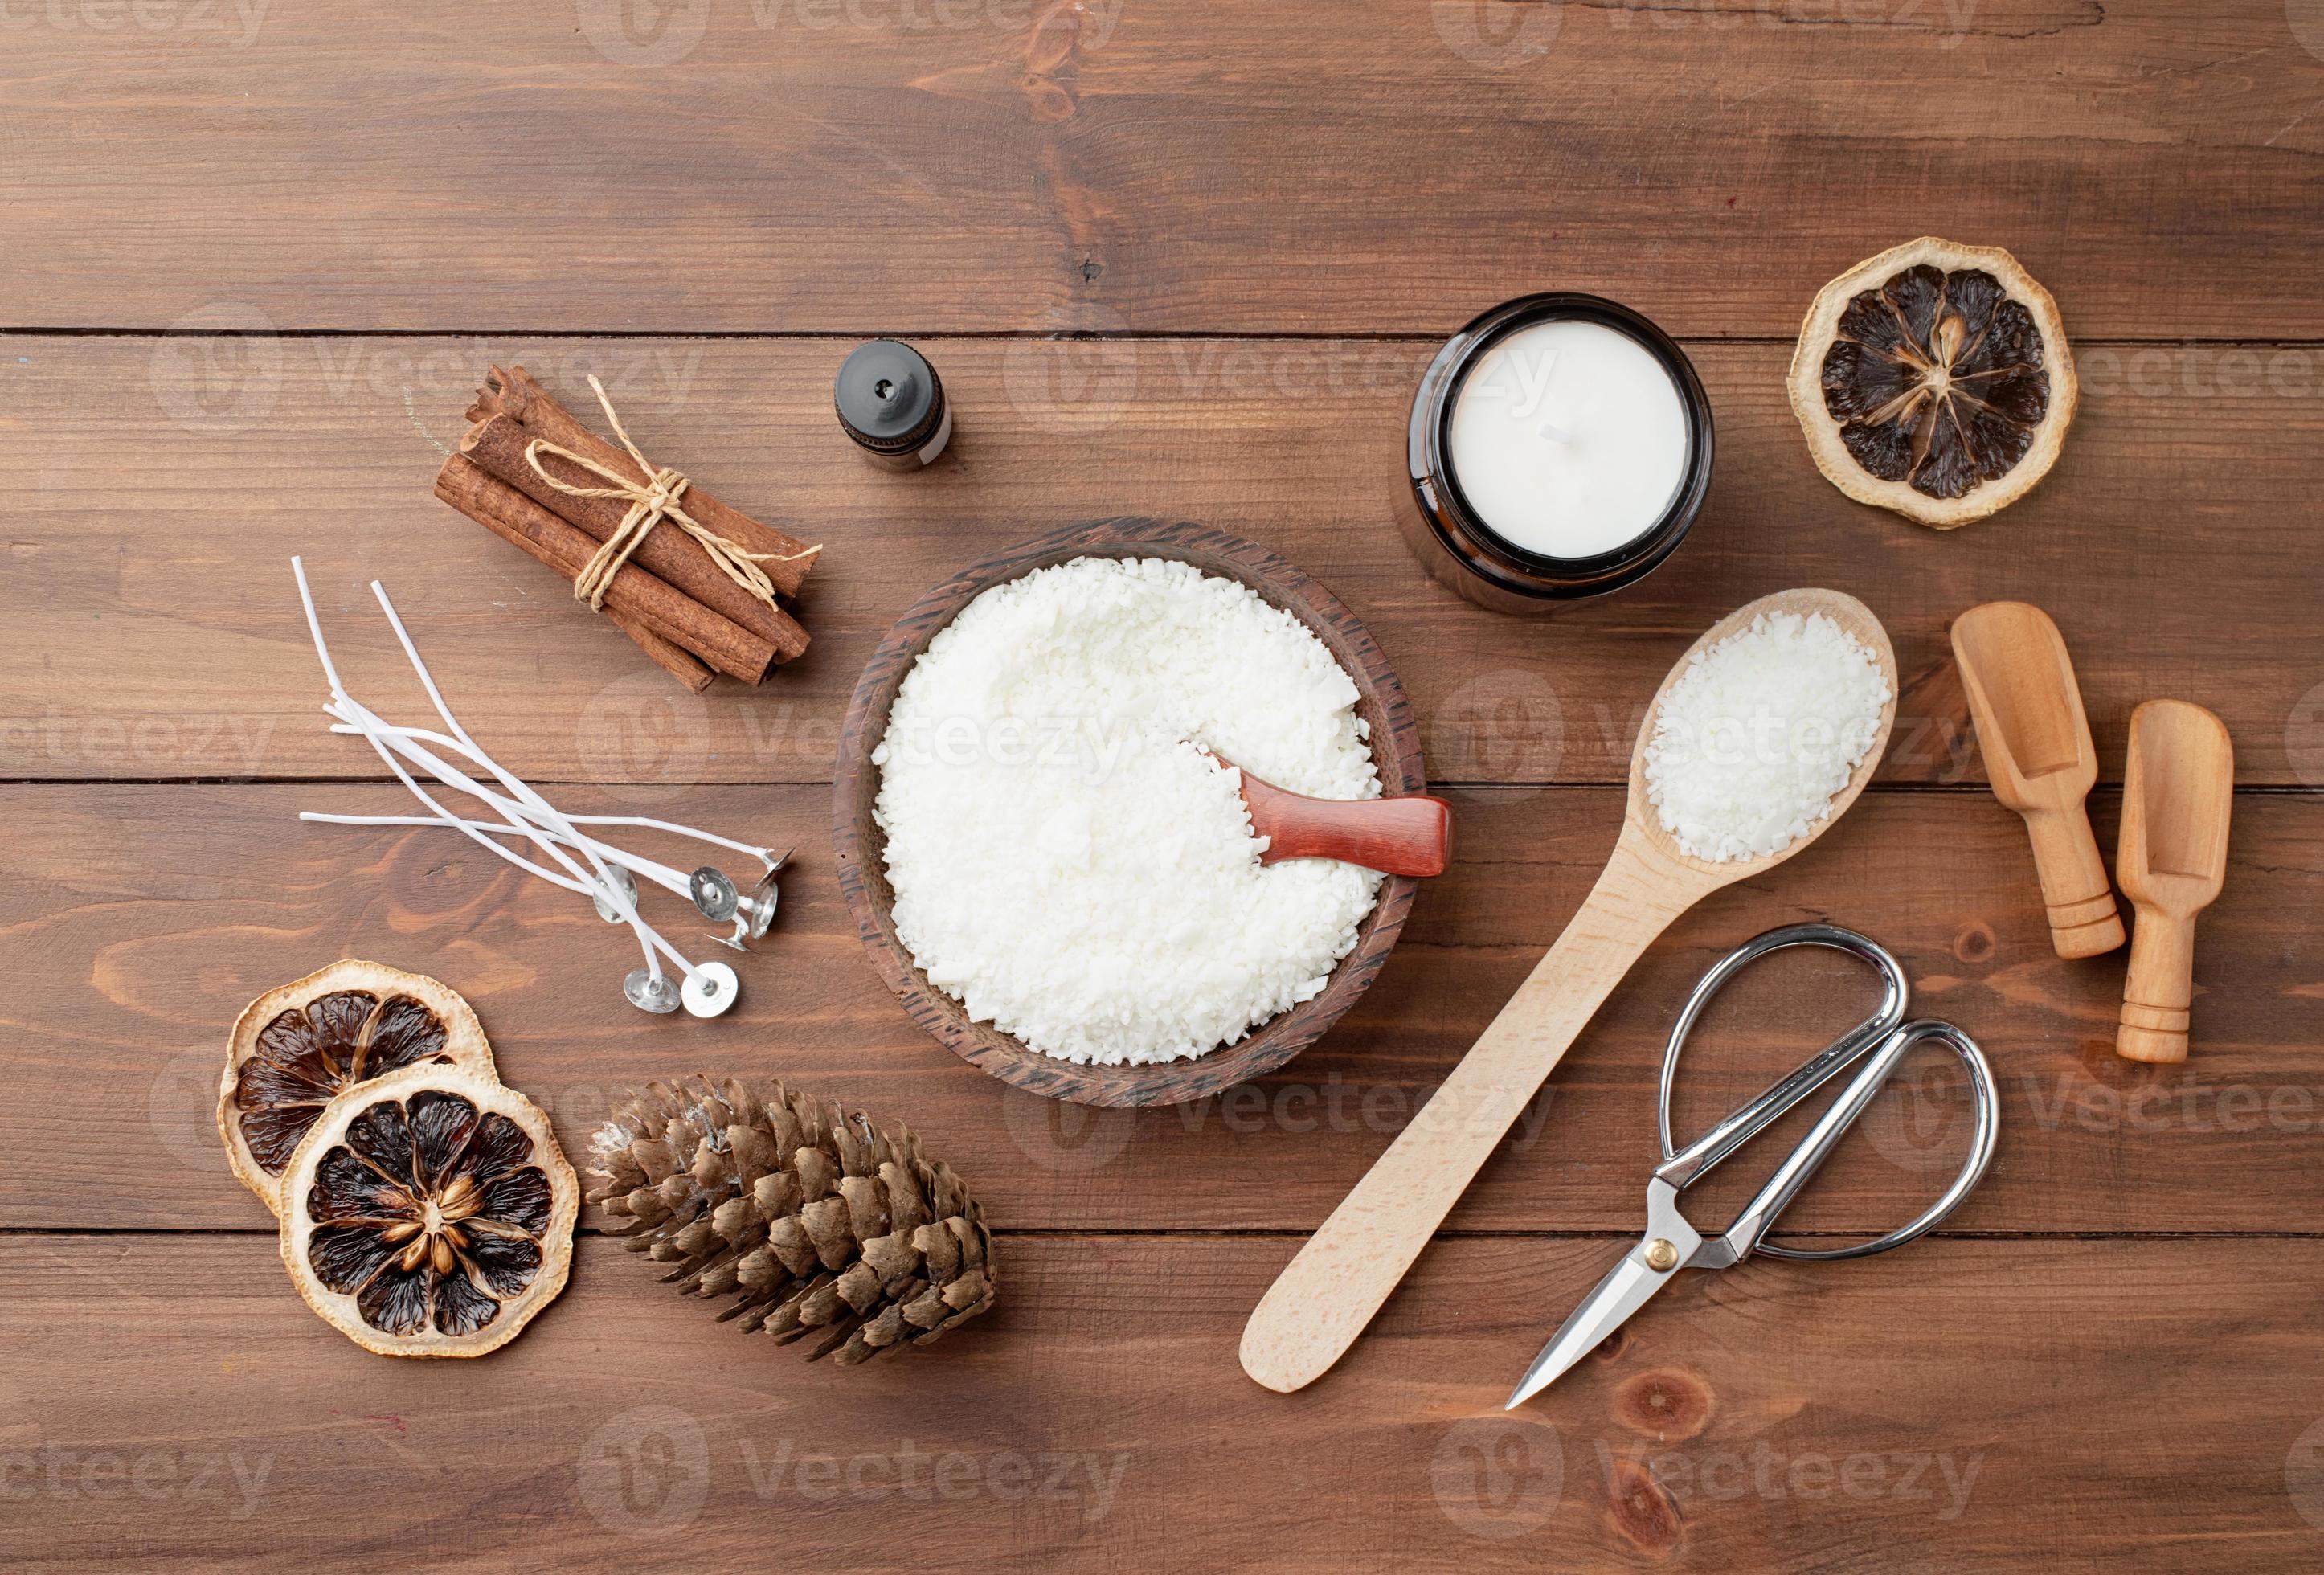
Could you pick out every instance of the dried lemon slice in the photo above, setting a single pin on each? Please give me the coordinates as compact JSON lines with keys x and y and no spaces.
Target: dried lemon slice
{"x":1934,"y":380}
{"x":295,"y":1048}
{"x":429,"y":1213}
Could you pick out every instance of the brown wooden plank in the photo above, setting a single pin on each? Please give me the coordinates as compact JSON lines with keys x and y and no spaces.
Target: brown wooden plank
{"x":980,"y":164}
{"x":138,"y":921}
{"x":1902,"y":1413}
{"x":154,"y":631}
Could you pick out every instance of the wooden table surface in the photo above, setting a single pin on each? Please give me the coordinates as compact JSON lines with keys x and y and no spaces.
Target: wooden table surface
{"x":1182,"y":258}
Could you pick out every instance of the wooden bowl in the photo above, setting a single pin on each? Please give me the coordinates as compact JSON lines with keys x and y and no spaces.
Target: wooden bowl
{"x":858,"y":846}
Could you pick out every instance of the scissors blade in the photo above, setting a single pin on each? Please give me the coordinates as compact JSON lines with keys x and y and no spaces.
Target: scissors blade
{"x":1629,"y":1287}
{"x":1621,"y":1293}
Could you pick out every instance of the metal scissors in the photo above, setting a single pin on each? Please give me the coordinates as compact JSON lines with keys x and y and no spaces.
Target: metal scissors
{"x":1671,"y":1244}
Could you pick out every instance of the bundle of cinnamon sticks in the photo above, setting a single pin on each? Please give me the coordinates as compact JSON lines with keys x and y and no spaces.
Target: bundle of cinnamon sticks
{"x":669,"y":595}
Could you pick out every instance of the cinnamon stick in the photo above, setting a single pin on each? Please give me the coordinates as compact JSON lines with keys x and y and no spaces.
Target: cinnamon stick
{"x":518,"y":395}
{"x":633,"y":594}
{"x":668,"y":655}
{"x":498,"y":444}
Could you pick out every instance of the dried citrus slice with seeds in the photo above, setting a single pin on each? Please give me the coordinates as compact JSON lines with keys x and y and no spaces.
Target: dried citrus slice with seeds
{"x":429,"y":1213}
{"x":1934,"y":380}
{"x":295,"y":1048}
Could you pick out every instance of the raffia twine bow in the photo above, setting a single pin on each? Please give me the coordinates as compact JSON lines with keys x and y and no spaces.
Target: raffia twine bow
{"x":651,"y":503}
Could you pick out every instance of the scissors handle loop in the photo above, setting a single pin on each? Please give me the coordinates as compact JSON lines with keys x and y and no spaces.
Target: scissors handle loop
{"x":1743,"y":1124}
{"x":1882,"y":1041}
{"x":1786,"y":1183}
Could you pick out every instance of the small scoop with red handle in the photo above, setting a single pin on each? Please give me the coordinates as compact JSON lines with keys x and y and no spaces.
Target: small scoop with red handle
{"x":1407,"y":835}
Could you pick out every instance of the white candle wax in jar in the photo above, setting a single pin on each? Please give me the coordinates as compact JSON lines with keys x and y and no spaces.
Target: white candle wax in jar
{"x":1568,"y":438}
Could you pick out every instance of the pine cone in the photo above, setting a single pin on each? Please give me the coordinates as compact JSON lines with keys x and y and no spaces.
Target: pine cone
{"x":810,"y":1219}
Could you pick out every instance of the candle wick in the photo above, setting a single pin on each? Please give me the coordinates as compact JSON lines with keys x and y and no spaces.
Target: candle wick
{"x":1550,"y":430}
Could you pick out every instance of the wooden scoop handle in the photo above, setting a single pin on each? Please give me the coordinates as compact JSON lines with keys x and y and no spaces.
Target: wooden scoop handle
{"x":1321,"y":1303}
{"x":1407,"y":835}
{"x":1411,"y":835}
{"x":2083,"y":922}
{"x":2156,"y":998}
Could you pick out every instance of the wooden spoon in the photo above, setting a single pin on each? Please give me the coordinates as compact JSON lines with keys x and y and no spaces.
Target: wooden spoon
{"x":2172,"y":859}
{"x":1409,"y":835}
{"x":2038,"y":753}
{"x":1321,"y":1303}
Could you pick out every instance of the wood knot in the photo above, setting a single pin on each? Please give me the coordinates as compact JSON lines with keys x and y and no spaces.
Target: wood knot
{"x":1974,"y":944}
{"x":1640,"y":1509}
{"x":1057,"y":37}
{"x":1610,"y":1348}
{"x":1663,"y":1403}
{"x":1050,"y":101}
{"x":1061,"y":36}
{"x":2110,"y":1071}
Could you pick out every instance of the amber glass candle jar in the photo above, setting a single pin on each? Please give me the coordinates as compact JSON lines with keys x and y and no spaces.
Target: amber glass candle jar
{"x":1560,"y":445}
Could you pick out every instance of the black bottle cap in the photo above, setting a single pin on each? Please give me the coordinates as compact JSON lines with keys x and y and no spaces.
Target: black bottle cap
{"x":888,"y":398}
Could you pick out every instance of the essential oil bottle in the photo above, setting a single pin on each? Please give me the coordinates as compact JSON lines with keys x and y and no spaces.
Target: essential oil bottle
{"x":892,"y":404}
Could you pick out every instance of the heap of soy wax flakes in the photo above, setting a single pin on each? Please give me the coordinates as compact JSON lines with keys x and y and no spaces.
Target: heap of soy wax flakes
{"x":1761,"y":730}
{"x":1066,"y":862}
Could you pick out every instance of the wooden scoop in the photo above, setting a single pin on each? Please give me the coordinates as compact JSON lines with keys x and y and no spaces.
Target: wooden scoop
{"x":2172,"y":859}
{"x":1411,"y":834}
{"x":2038,"y":753}
{"x":1321,"y":1303}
